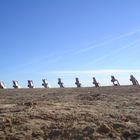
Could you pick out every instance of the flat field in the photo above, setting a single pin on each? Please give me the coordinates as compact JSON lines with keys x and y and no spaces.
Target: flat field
{"x":104,"y":113}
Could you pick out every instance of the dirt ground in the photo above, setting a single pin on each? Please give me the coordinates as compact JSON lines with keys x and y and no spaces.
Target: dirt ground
{"x":104,"y":113}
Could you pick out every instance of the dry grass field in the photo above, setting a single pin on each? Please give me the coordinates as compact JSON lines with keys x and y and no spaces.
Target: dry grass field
{"x":104,"y":113}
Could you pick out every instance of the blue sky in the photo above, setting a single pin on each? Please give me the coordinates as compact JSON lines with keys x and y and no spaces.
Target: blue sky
{"x":69,"y":38}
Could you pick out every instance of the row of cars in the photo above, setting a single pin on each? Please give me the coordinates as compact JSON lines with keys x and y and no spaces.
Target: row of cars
{"x":45,"y":83}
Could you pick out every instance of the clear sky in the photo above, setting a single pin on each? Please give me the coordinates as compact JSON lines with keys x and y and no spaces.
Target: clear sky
{"x":69,"y":38}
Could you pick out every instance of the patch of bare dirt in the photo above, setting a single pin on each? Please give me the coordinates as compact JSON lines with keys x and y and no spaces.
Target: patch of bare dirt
{"x":105,"y":113}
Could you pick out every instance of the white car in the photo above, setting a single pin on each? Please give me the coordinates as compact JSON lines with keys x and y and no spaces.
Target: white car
{"x":2,"y":85}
